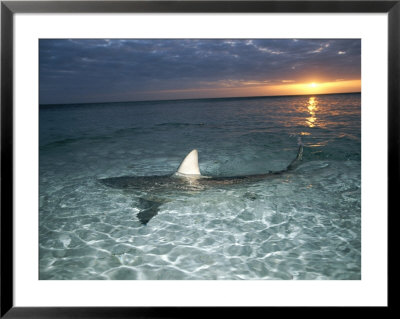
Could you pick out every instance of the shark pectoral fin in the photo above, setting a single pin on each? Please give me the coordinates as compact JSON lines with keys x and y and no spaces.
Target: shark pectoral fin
{"x":190,"y":165}
{"x":148,"y":209}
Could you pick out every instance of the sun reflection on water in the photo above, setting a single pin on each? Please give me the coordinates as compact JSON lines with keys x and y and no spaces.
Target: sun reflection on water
{"x":312,"y":107}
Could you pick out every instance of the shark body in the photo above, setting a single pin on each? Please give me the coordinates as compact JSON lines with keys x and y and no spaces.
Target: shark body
{"x":187,"y":179}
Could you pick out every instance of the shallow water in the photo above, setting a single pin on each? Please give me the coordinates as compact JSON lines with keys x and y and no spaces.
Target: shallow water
{"x":305,"y":224}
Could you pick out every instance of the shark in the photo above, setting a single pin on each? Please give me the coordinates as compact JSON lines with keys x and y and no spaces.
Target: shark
{"x":155,"y":190}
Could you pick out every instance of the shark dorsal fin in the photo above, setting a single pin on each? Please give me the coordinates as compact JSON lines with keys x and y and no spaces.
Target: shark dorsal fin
{"x":190,"y":165}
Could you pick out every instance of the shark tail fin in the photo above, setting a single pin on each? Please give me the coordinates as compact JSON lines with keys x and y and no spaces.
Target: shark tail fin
{"x":190,"y":165}
{"x":299,"y":156}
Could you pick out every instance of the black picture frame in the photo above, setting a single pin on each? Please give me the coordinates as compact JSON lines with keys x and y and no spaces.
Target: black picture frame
{"x":9,"y":8}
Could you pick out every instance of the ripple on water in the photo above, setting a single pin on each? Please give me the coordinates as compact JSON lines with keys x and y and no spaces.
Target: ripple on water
{"x":122,"y":273}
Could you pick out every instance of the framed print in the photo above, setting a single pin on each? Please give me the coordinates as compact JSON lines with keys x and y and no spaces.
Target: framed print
{"x":164,"y":155}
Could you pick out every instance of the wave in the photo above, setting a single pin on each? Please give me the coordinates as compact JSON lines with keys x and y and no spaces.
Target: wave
{"x":178,"y":124}
{"x":72,"y":140}
{"x":61,"y":142}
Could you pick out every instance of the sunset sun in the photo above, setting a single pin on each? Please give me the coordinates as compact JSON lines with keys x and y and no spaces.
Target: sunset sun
{"x":313,"y":85}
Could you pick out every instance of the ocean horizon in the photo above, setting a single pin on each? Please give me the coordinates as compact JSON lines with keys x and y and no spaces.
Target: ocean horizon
{"x":194,"y":99}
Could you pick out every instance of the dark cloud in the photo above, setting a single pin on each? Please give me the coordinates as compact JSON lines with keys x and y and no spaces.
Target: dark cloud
{"x":79,"y":70}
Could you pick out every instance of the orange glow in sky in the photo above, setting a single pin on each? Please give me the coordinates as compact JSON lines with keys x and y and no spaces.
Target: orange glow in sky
{"x":314,"y":88}
{"x":256,"y":89}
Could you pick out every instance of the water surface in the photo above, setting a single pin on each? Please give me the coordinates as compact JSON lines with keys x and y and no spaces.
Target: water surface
{"x":302,"y":225}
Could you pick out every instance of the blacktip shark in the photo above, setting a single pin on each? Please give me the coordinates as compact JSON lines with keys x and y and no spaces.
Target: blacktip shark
{"x":186,"y":179}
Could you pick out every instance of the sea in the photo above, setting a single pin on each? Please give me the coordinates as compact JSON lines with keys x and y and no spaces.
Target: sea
{"x":301,"y":225}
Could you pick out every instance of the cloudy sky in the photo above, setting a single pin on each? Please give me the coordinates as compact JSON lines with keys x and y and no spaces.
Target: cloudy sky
{"x":107,"y":70}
